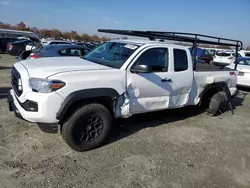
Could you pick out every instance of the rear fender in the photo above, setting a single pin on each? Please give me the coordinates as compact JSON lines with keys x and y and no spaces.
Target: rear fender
{"x":219,"y":86}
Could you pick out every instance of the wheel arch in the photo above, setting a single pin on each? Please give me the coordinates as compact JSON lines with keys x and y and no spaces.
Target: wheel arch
{"x":106,"y":96}
{"x":216,"y":87}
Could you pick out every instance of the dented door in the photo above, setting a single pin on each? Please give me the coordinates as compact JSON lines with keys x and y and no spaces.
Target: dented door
{"x":167,"y":86}
{"x":149,"y":91}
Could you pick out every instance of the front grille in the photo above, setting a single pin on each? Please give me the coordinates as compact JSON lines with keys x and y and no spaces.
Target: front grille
{"x":15,"y":76}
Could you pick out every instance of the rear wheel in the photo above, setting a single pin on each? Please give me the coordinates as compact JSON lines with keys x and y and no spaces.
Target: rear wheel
{"x":88,"y":127}
{"x":214,"y":103}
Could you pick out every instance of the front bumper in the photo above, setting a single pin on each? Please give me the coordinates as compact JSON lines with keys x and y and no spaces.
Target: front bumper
{"x":48,"y":106}
{"x":12,"y":106}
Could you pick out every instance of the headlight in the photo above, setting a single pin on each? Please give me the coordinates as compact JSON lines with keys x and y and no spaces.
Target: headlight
{"x":44,"y":85}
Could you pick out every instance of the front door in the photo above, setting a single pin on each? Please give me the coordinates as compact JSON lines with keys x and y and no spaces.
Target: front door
{"x":165,"y":87}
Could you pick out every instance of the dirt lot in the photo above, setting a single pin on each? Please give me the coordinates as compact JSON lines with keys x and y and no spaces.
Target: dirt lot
{"x":180,"y":148}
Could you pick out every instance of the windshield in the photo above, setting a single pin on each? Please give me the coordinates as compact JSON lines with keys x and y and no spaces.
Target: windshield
{"x":112,"y":54}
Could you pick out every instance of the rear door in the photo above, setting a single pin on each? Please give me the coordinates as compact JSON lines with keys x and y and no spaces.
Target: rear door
{"x":181,"y":74}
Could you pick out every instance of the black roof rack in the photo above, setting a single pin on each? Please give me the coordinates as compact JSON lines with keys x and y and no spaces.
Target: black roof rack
{"x":194,"y":38}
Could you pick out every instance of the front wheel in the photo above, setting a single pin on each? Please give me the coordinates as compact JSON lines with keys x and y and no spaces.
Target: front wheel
{"x":87,"y":128}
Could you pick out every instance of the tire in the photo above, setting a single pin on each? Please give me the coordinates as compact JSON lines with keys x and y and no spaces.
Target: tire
{"x":79,"y":125}
{"x":215,"y":103}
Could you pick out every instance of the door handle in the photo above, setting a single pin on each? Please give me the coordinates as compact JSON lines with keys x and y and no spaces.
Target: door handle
{"x":166,"y":80}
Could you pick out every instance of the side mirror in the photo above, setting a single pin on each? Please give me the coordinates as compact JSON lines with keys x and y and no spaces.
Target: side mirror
{"x":141,"y":69}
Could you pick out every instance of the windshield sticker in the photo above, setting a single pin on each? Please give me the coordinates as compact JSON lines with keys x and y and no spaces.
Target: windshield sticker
{"x":131,"y":46}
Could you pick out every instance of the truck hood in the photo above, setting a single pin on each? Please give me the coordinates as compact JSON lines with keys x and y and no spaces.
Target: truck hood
{"x":44,"y":67}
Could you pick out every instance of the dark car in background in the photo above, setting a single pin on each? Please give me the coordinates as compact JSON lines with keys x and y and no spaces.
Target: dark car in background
{"x":16,"y":48}
{"x":203,"y":55}
{"x":57,"y":51}
{"x":5,"y":42}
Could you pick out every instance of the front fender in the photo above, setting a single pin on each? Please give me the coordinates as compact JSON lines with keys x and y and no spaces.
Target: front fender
{"x":84,"y":94}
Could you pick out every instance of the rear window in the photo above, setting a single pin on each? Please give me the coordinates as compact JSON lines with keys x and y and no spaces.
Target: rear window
{"x":180,"y":60}
{"x":223,"y":54}
{"x":247,"y":54}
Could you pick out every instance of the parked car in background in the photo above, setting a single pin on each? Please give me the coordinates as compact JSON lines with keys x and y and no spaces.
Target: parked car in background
{"x":59,"y":50}
{"x":203,"y":55}
{"x":5,"y":42}
{"x":44,"y":43}
{"x":211,"y":50}
{"x":243,"y":67}
{"x":225,"y":57}
{"x":245,"y":53}
{"x":56,"y":42}
{"x":16,"y":48}
{"x":88,"y":44}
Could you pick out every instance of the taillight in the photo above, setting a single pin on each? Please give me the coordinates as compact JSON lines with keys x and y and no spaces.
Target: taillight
{"x":233,"y":73}
{"x":10,"y":46}
{"x":34,"y":56}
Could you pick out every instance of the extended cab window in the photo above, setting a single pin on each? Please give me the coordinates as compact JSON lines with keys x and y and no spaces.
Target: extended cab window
{"x":157,"y":58}
{"x":180,"y":60}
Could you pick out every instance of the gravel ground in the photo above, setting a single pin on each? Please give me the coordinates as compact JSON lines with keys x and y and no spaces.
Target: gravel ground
{"x":179,"y":148}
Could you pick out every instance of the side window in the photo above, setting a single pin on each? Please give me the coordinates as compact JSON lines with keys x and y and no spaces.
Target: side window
{"x":234,"y":54}
{"x":63,"y":52}
{"x":241,"y":62}
{"x":180,"y":60}
{"x":157,"y":58}
{"x":74,"y":52}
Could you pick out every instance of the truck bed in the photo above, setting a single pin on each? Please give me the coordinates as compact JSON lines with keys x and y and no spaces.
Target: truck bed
{"x":202,"y":67}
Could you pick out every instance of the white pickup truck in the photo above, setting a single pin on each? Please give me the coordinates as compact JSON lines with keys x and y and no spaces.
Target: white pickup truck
{"x":118,"y":79}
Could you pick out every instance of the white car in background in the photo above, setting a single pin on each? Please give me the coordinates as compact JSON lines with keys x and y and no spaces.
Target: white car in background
{"x":225,"y":57}
{"x":243,"y":68}
{"x":244,"y":53}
